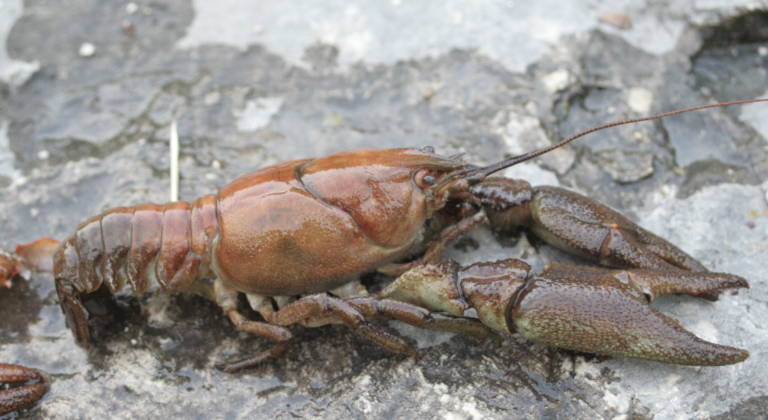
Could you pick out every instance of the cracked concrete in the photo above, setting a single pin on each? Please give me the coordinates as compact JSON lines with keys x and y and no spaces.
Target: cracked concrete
{"x":253,"y":83}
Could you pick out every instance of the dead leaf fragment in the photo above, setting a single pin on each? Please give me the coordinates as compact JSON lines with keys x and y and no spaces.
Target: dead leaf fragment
{"x":615,"y":19}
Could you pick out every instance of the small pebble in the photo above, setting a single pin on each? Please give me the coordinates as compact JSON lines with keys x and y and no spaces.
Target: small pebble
{"x":258,"y":29}
{"x":87,"y":49}
{"x":43,"y":154}
{"x":212,"y":98}
{"x":751,"y":224}
{"x":640,"y":100}
{"x":557,"y":80}
{"x":131,"y":8}
{"x":762,"y":51}
{"x":128,"y":27}
{"x":34,"y":212}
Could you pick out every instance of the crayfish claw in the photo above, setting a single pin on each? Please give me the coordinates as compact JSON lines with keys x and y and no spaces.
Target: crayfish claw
{"x":32,"y":389}
{"x":607,"y":312}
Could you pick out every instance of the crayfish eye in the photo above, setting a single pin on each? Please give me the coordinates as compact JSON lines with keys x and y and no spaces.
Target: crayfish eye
{"x":429,"y":149}
{"x":424,"y":178}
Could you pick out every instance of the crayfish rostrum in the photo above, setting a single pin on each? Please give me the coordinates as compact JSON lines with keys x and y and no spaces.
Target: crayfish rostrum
{"x":295,"y":237}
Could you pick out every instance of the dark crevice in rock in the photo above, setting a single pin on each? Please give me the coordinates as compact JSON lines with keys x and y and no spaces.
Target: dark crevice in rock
{"x":747,"y":28}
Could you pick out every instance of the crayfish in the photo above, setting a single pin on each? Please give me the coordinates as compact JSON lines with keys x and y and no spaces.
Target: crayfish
{"x":295,"y":238}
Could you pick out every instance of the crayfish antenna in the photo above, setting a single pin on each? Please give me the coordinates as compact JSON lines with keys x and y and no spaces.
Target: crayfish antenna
{"x":530,"y":155}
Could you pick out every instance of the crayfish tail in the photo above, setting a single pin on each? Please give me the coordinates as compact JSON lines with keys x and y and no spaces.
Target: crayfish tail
{"x":75,"y":313}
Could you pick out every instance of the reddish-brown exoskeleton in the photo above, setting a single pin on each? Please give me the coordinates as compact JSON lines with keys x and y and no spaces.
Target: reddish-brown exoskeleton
{"x":295,"y":238}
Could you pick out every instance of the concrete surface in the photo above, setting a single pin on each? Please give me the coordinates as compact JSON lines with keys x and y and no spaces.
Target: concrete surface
{"x":254,"y":83}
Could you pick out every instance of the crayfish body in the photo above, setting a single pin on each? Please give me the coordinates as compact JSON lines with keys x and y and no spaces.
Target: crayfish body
{"x":309,"y":228}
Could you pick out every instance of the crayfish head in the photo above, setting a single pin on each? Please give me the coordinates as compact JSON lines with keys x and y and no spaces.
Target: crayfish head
{"x":388,"y":193}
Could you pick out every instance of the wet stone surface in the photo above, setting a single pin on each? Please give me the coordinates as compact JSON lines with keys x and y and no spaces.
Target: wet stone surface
{"x":84,"y":134}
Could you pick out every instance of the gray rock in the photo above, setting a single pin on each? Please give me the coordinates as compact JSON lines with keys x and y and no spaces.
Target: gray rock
{"x":255,"y":83}
{"x":626,"y":167}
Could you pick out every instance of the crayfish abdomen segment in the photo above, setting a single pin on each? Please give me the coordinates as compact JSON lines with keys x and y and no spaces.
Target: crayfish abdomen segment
{"x":169,"y":243}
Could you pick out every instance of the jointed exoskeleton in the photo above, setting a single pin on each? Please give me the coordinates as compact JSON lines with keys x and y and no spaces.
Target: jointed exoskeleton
{"x":295,"y":238}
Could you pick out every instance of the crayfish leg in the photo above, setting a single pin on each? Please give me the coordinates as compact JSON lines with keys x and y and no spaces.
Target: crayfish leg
{"x":226,"y":298}
{"x":313,"y":310}
{"x":436,"y":250}
{"x":319,"y":305}
{"x":417,"y":316}
{"x":277,"y":351}
{"x":429,"y":286}
{"x":448,"y":235}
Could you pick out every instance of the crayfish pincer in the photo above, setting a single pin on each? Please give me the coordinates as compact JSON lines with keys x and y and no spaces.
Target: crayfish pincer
{"x":31,"y":387}
{"x":295,"y":237}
